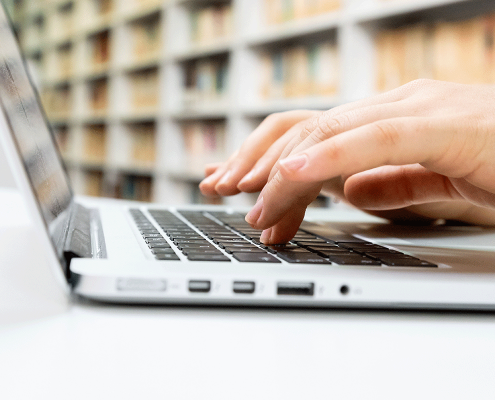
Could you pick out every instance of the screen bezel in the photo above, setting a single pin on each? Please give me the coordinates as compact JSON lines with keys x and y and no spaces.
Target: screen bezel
{"x":6,"y":28}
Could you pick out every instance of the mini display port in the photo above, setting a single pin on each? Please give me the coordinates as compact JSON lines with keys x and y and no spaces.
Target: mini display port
{"x":199,"y":286}
{"x":296,"y":288}
{"x":243,"y":287}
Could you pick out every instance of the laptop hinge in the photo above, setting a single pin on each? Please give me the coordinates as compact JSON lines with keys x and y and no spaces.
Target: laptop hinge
{"x":78,"y":239}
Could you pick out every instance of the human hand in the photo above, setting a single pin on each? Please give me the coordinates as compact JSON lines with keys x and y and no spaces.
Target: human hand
{"x":427,"y":147}
{"x":248,"y":169}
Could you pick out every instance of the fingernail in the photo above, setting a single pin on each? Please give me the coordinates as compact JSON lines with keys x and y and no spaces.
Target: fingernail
{"x":253,"y":215}
{"x":207,"y":180}
{"x":265,"y":235}
{"x":248,"y":178}
{"x":225,"y":178}
{"x":294,"y":163}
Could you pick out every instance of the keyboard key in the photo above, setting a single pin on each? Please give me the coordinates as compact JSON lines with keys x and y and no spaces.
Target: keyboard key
{"x":407,"y":262}
{"x":155,"y":240}
{"x":152,"y":235}
{"x":255,"y":257}
{"x":165,"y":250}
{"x":196,"y":246}
{"x":207,"y":257}
{"x":352,"y":260}
{"x":158,"y":245}
{"x":167,"y":257}
{"x":309,"y":242}
{"x":245,"y":245}
{"x":253,"y":249}
{"x":188,"y":241}
{"x":201,"y":251}
{"x":302,"y":258}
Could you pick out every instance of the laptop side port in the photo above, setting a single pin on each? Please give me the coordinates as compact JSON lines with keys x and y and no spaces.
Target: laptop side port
{"x":295,"y":288}
{"x":246,"y":287}
{"x":199,"y":286}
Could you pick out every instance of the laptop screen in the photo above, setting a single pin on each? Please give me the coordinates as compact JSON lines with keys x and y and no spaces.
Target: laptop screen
{"x":32,"y":136}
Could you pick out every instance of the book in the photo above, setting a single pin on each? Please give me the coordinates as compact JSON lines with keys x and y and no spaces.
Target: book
{"x":94,"y":147}
{"x":146,"y":36}
{"x":210,"y":24}
{"x":100,"y":44}
{"x":206,"y":81}
{"x":145,"y":89}
{"x":57,"y":101}
{"x":134,"y":187}
{"x":203,"y":143}
{"x":280,"y":11}
{"x":64,"y":54}
{"x":456,"y":51}
{"x":93,"y":183}
{"x":98,"y":95}
{"x":300,"y":71}
{"x":143,"y":144}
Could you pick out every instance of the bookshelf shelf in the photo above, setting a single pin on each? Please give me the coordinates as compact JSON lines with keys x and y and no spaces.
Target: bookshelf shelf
{"x":296,"y":29}
{"x":166,"y":85}
{"x":381,"y":10}
{"x":201,"y":114}
{"x":195,"y":52}
{"x":269,"y":107}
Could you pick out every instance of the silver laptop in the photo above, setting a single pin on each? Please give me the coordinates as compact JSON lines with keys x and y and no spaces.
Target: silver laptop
{"x":145,"y":253}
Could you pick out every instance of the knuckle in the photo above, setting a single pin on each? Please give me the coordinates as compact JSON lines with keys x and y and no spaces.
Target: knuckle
{"x":325,"y":126}
{"x":275,"y":118}
{"x":386,"y":133}
{"x":417,"y":84}
{"x":308,"y":128}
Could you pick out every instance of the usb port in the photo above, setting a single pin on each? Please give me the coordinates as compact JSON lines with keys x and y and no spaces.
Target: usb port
{"x":295,"y":288}
{"x":243,"y":287}
{"x":199,"y":286}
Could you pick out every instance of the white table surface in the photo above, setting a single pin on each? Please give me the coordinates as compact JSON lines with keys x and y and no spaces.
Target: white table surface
{"x":97,"y":351}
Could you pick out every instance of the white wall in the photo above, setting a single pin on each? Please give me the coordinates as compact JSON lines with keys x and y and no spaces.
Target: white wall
{"x":6,"y":178}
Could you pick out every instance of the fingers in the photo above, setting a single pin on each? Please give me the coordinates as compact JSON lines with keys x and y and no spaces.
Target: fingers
{"x":211,"y":168}
{"x":256,"y":179}
{"x":392,"y":187}
{"x":226,"y":178}
{"x":282,"y":204}
{"x":435,"y":143}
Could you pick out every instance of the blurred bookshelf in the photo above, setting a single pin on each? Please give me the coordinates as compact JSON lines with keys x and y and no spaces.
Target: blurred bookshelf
{"x":142,"y":93}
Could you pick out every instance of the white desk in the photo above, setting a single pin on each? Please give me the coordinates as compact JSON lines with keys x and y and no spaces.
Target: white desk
{"x":95,"y":351}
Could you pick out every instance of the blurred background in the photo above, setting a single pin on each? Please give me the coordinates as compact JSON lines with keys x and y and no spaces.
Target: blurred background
{"x":142,"y":93}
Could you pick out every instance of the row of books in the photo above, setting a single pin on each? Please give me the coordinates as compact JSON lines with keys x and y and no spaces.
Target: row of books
{"x":145,"y":89}
{"x":95,"y":144}
{"x":280,"y":11}
{"x":129,"y":187}
{"x":146,"y":37}
{"x":203,"y":142}
{"x":458,"y":51}
{"x":57,"y":101}
{"x":58,"y":63}
{"x":211,"y":23}
{"x":61,"y":23}
{"x":143,"y":147}
{"x":93,"y":183}
{"x":98,"y":95}
{"x":100,"y":53}
{"x":134,"y":187}
{"x":205,"y":81}
{"x":300,"y":71}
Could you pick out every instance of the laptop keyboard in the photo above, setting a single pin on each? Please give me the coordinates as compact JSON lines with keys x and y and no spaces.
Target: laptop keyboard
{"x":222,"y":237}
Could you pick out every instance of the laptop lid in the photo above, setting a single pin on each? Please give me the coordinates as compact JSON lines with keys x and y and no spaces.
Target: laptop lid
{"x":26,"y":124}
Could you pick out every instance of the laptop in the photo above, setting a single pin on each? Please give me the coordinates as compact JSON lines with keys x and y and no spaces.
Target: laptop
{"x":143,"y":253}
